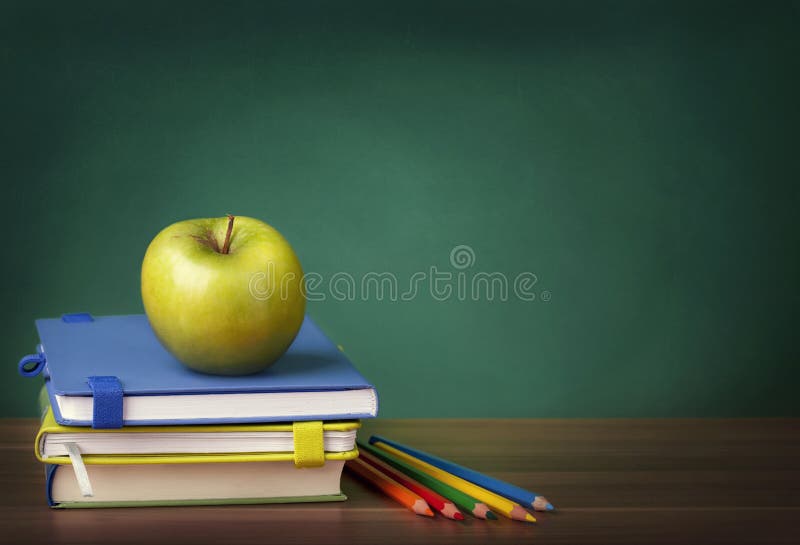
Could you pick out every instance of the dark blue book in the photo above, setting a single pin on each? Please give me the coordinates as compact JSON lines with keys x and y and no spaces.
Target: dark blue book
{"x":109,"y":371}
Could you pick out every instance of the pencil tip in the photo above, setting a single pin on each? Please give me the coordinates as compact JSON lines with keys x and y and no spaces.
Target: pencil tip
{"x":490,"y":515}
{"x":519,"y":513}
{"x":541,"y":504}
{"x":421,"y":508}
{"x":451,"y":511}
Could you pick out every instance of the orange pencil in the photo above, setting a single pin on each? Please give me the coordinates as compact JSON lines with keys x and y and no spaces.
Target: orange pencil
{"x":389,"y":486}
{"x":440,"y":503}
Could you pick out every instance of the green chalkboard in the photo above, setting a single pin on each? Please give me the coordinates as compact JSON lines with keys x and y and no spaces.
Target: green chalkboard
{"x":634,"y":163}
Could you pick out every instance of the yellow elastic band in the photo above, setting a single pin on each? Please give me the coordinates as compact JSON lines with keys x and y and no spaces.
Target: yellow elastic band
{"x":309,"y":447}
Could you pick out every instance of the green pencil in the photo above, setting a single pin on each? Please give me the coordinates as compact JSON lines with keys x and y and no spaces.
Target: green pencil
{"x":464,"y":501}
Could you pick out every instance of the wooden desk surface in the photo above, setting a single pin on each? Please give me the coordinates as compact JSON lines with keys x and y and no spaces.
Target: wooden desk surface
{"x":614,"y":481}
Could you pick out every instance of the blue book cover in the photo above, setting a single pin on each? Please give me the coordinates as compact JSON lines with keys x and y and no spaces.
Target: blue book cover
{"x":313,"y":380}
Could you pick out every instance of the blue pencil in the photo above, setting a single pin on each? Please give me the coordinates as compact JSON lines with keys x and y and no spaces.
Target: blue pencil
{"x":514,"y":493}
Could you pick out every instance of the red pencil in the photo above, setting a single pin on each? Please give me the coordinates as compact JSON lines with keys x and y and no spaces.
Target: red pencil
{"x":438,"y":502}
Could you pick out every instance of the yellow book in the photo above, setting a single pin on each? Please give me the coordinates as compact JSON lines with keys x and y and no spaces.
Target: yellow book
{"x":307,"y":444}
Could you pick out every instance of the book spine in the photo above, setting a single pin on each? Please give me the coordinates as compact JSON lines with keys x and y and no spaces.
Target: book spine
{"x":43,"y":402}
{"x":49,"y":473}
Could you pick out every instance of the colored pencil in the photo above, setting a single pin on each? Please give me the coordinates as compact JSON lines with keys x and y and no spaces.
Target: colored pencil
{"x":462,"y":500}
{"x":496,"y":502}
{"x":514,"y":493}
{"x":440,"y":503}
{"x":390,"y":487}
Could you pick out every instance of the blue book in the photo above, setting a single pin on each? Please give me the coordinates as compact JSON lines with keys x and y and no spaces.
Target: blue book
{"x":110,"y":371}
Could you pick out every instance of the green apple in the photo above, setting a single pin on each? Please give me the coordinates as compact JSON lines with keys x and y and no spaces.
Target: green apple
{"x":224,"y":295}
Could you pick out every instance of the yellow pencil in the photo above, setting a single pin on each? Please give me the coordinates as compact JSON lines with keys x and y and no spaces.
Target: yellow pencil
{"x":495,"y":502}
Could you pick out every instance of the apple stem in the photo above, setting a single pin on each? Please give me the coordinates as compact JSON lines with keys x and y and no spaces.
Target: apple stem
{"x":226,"y":246}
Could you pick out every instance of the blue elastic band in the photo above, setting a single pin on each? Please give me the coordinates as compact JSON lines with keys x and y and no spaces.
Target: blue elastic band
{"x":107,"y":405}
{"x":77,"y":318}
{"x":32,"y":364}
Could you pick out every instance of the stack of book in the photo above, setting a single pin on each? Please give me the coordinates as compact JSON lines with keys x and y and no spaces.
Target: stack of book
{"x":124,"y":423}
